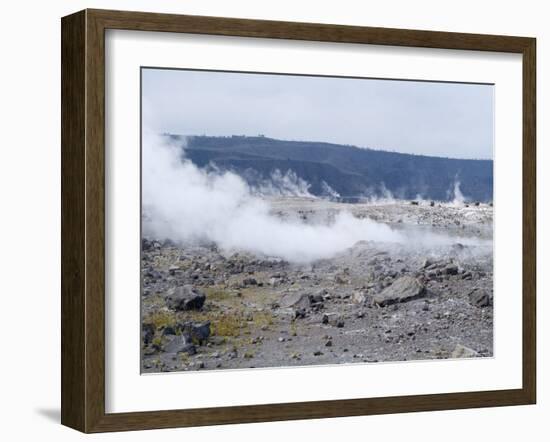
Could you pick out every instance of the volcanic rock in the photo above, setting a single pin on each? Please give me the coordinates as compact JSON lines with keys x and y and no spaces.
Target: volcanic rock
{"x":403,"y":289}
{"x":185,"y":297}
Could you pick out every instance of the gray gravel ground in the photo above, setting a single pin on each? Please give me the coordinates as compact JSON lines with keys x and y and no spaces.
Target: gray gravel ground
{"x":205,"y":308}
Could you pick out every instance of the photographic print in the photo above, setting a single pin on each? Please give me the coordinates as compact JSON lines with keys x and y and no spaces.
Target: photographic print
{"x":298,"y":220}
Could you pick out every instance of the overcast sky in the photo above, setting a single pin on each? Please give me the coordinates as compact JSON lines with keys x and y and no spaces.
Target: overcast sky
{"x":442,"y":119}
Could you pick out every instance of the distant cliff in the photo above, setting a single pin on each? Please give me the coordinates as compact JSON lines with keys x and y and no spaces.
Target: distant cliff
{"x":346,"y":170}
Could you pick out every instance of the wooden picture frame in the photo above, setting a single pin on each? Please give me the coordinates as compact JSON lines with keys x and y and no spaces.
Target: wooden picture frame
{"x":83,"y":220}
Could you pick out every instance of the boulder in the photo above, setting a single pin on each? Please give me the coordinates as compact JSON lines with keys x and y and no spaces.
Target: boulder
{"x":196,"y":332}
{"x":185,"y":297}
{"x":180,"y":344}
{"x":451,"y":269}
{"x":295,"y":300}
{"x":333,"y":319}
{"x":403,"y":289}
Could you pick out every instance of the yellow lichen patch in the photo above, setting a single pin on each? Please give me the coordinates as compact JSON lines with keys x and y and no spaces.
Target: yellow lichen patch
{"x":161,"y":318}
{"x":227,"y":325}
{"x":216,"y":294}
{"x":184,"y":357}
{"x":262,"y":319}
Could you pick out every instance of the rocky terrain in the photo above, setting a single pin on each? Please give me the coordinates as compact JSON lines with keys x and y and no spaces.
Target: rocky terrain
{"x":428,"y":298}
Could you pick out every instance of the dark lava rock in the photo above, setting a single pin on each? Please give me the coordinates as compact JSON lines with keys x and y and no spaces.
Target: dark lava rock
{"x":168,"y":331}
{"x":197,"y":333}
{"x":403,"y":289}
{"x":479,"y":298}
{"x":451,"y":269}
{"x":317,"y":298}
{"x":147,"y":333}
{"x":250,"y":281}
{"x":147,"y":244}
{"x":185,"y":297}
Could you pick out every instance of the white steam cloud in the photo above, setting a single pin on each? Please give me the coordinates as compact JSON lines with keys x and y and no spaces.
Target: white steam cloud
{"x":459,"y":198}
{"x":282,"y":184}
{"x":184,"y":203}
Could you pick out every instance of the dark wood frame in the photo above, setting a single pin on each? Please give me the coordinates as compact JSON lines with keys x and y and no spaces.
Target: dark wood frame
{"x":83,"y":217}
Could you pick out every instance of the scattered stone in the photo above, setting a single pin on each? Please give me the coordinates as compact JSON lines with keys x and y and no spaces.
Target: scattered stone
{"x":359,"y":298}
{"x":147,"y":333}
{"x":180,"y":344}
{"x":427,"y":263}
{"x":339,"y":279}
{"x":197,"y":332}
{"x":295,"y":300}
{"x":173,"y":269}
{"x":462,"y":351}
{"x":316,"y":299}
{"x":403,"y":289}
{"x":250,"y":281}
{"x":479,"y":298}
{"x":184,"y":298}
{"x":451,"y":269}
{"x":168,"y":330}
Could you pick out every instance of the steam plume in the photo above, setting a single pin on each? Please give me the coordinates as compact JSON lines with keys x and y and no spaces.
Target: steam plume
{"x":185,"y":203}
{"x":188,"y":204}
{"x":459,"y":198}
